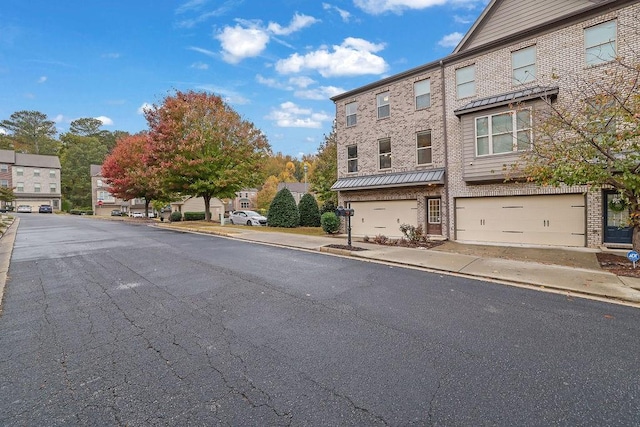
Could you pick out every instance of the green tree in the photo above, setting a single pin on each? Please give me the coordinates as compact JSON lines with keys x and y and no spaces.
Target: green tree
{"x":31,"y":132}
{"x":79,"y":153}
{"x":592,"y":137}
{"x":325,"y":173}
{"x":309,"y":212}
{"x":283,"y":211}
{"x":201,"y":147}
{"x":85,"y":126}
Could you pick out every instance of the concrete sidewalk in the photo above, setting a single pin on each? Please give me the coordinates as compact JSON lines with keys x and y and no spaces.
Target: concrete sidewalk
{"x":581,"y":274}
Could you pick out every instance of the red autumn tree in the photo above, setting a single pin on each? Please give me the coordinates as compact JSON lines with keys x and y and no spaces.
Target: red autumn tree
{"x":128,"y":174}
{"x":203,"y":148}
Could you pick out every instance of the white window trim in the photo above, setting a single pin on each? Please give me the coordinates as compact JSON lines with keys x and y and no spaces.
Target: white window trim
{"x":514,"y":132}
{"x":381,"y":155}
{"x":466,"y":82}
{"x":352,"y":159}
{"x":354,"y":114}
{"x":416,"y":95}
{"x":379,"y":105}
{"x":418,"y":149}
{"x":602,"y":43}
{"x":530,"y":77}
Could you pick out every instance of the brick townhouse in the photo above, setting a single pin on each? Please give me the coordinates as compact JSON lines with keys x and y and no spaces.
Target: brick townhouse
{"x":430,"y":146}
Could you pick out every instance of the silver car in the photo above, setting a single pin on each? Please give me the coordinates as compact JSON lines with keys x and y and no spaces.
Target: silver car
{"x":247,"y":218}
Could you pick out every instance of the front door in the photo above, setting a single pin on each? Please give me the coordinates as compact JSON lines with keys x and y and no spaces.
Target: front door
{"x":434,"y":223}
{"x":616,"y":221}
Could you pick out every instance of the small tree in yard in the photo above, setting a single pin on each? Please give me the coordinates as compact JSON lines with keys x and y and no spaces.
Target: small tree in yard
{"x":283,"y":211}
{"x":330,"y":222}
{"x":309,"y":212}
{"x":592,"y":137}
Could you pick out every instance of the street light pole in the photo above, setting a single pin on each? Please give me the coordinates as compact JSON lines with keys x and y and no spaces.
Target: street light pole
{"x":305,"y":177}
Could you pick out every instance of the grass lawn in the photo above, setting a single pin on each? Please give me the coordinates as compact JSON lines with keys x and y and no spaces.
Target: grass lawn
{"x":210,"y":225}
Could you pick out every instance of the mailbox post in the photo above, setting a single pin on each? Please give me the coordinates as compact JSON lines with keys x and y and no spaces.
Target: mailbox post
{"x":348,"y":213}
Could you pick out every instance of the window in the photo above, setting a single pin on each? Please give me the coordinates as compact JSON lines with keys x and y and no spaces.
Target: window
{"x":36,"y":172}
{"x":523,"y":63}
{"x":600,"y":43}
{"x":466,"y":81}
{"x":352,"y":108}
{"x":4,"y":183}
{"x":19,"y":171}
{"x":383,"y":105}
{"x":4,"y":168}
{"x":422,"y":91}
{"x":244,"y":204}
{"x":36,"y":187}
{"x":106,"y":197}
{"x":503,"y":133}
{"x":434,"y":211}
{"x":53,"y":188}
{"x":424,"y":147}
{"x":20,"y":187}
{"x":352,"y":158}
{"x":384,"y":152}
{"x":52,"y":173}
{"x":99,"y":183}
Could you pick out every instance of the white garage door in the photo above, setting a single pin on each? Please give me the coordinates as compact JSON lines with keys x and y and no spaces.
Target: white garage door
{"x":538,"y":220}
{"x":383,"y":217}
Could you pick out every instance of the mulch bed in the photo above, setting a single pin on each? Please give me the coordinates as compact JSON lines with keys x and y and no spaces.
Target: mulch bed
{"x":618,"y":265}
{"x":403,"y":243}
{"x":346,"y":247}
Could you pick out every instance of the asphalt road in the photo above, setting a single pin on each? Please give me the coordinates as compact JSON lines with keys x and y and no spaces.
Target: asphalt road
{"x":114,"y":324}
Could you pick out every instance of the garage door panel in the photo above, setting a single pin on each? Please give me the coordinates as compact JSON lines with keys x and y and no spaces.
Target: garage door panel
{"x":383,"y":217}
{"x":557,"y":220}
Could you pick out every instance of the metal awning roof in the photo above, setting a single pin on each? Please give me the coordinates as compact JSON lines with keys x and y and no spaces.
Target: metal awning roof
{"x":403,"y":179}
{"x":507,"y":98}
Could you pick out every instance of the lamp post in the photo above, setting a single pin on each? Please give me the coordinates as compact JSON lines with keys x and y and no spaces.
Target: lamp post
{"x":306,"y":168}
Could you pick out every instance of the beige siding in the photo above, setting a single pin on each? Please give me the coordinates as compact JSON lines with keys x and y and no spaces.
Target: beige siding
{"x":513,"y":16}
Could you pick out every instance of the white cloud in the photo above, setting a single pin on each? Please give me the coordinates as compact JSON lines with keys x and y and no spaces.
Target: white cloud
{"x":239,"y":43}
{"x":203,"y":51}
{"x":352,"y":58}
{"x":3,"y":132}
{"x":298,"y":22}
{"x":301,"y":81}
{"x":229,"y":96}
{"x":190,"y":5}
{"x":451,"y":40}
{"x":106,"y":121}
{"x":290,"y":115}
{"x":58,"y":119}
{"x":319,"y":93}
{"x":200,"y":66}
{"x":143,"y":107}
{"x":112,"y":55}
{"x":42,"y":79}
{"x":273,"y":83}
{"x":343,"y":13}
{"x":376,"y":7}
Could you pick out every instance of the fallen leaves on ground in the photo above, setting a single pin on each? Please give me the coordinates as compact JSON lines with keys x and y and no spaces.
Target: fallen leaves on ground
{"x":618,"y":264}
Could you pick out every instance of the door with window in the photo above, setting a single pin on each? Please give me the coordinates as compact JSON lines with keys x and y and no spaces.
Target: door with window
{"x":434,"y":222}
{"x":616,"y":220}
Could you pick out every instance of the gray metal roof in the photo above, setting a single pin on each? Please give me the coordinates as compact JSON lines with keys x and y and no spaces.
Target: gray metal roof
{"x":37,"y":160}
{"x":402,"y":179}
{"x":95,"y":170}
{"x":507,"y":98}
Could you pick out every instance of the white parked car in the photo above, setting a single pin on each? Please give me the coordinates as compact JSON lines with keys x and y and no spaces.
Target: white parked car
{"x":137,"y":215}
{"x":24,"y":209}
{"x":247,"y":218}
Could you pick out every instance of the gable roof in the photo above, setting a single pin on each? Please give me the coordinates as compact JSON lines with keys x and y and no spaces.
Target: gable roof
{"x":502,"y":19}
{"x":37,"y":160}
{"x":95,"y":170}
{"x":294,"y":187}
{"x":7,"y":156}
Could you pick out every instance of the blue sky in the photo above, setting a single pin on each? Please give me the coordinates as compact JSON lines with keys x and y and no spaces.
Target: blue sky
{"x":276,"y":63}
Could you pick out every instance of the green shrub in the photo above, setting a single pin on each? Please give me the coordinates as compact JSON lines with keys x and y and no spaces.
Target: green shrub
{"x":81,"y":212}
{"x":328,"y":206}
{"x":194,"y":216}
{"x":330,"y":222}
{"x":175,"y":216}
{"x":283,"y":211}
{"x":309,"y":212}
{"x":412,"y":233}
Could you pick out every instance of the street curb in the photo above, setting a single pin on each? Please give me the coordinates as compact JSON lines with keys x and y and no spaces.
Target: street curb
{"x":6,"y":250}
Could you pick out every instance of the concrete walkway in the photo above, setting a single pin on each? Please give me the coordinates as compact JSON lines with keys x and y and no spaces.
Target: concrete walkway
{"x":578,"y":273}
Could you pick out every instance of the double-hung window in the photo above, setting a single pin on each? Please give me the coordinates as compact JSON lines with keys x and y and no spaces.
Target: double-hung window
{"x":20,"y":187}
{"x":600,"y":43}
{"x":422,"y":91}
{"x":36,"y":172}
{"x":523,"y":64}
{"x":384,"y":109}
{"x":466,"y":81}
{"x":352,"y":109}
{"x":36,"y":187}
{"x":4,"y":183}
{"x":4,"y":168}
{"x":423,"y":140}
{"x":384,"y":153}
{"x":352,"y":158}
{"x":503,"y":133}
{"x":19,"y":171}
{"x":53,"y":188}
{"x":52,"y":173}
